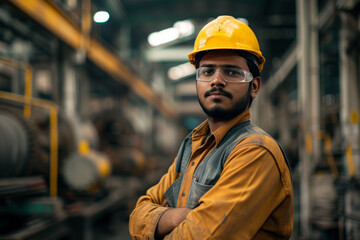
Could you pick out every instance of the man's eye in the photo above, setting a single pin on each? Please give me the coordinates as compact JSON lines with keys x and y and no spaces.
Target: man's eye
{"x":208,"y":71}
{"x":233,"y":72}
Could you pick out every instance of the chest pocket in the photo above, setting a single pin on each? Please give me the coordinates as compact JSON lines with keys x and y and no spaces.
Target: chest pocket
{"x":206,"y":175}
{"x":196,"y":192}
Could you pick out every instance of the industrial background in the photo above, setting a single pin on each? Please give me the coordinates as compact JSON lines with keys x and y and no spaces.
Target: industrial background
{"x":92,"y":112}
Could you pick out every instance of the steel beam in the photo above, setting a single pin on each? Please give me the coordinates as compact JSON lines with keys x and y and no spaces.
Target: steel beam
{"x":52,"y":18}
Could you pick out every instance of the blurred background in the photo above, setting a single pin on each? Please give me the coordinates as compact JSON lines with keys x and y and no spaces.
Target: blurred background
{"x":97,"y":95}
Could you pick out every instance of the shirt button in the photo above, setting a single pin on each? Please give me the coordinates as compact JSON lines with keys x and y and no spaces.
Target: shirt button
{"x":196,"y":179}
{"x":183,"y":194}
{"x":193,"y":163}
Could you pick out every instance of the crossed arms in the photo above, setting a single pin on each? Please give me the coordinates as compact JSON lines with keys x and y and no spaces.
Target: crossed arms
{"x":249,"y":190}
{"x":170,"y":219}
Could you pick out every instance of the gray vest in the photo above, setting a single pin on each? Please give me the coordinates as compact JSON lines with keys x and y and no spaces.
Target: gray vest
{"x":210,"y":168}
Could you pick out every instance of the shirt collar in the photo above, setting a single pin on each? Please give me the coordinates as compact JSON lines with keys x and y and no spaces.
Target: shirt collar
{"x":203,"y":129}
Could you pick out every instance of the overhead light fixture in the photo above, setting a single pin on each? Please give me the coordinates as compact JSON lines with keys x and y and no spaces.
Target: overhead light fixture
{"x":179,"y":30}
{"x":163,"y":36}
{"x":185,"y":28}
{"x":181,"y":71}
{"x":101,"y":17}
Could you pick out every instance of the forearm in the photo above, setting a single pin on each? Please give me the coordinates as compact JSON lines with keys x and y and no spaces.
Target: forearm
{"x":169,"y":220}
{"x":144,"y":219}
{"x":145,"y":216}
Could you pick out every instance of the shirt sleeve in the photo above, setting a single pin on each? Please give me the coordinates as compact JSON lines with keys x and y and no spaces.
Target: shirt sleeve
{"x":148,"y":210}
{"x":236,"y":207}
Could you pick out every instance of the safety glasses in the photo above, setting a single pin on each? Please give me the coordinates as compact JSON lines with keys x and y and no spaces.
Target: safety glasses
{"x":229,"y":74}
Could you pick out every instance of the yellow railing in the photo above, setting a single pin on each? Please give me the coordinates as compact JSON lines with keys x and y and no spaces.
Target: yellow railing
{"x":28,"y":80}
{"x":330,"y":157}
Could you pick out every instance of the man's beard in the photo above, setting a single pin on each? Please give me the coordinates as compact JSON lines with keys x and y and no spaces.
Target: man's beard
{"x":217,"y":113}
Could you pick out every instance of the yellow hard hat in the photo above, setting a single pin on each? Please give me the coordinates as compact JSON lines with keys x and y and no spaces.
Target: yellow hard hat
{"x":226,"y":32}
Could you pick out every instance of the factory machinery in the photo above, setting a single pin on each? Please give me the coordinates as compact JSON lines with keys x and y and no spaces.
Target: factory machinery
{"x":314,"y":112}
{"x":63,"y":178}
{"x":54,"y":185}
{"x":75,"y":147}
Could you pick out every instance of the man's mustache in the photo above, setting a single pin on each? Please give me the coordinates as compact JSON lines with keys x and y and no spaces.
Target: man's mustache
{"x":214,"y":89}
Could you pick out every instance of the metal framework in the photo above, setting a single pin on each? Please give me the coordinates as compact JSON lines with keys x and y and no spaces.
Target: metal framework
{"x":49,"y":16}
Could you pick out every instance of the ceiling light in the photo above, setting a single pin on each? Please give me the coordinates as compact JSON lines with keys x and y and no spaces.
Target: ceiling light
{"x":179,"y":30}
{"x":164,"y":36}
{"x":101,"y":17}
{"x":181,"y":71}
{"x":185,"y":28}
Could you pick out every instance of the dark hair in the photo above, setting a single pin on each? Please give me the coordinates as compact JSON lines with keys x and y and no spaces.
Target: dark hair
{"x":251,"y":61}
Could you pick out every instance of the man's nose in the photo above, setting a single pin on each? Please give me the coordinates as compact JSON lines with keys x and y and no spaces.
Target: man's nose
{"x":218,"y":79}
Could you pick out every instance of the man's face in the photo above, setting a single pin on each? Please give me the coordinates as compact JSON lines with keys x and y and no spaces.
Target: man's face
{"x":219,"y":99}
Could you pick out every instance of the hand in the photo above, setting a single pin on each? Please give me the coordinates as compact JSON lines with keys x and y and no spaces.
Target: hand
{"x":169,"y":220}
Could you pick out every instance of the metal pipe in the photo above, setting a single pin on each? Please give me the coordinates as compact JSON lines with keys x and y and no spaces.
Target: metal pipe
{"x":302,"y":7}
{"x":314,"y":83}
{"x":349,"y":90}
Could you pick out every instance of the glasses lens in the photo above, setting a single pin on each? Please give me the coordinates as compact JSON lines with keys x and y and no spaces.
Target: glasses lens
{"x":234,"y":74}
{"x":205,"y":73}
{"x":228,"y":74}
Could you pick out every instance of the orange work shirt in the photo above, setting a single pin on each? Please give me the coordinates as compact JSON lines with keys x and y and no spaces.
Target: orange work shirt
{"x":252,"y":199}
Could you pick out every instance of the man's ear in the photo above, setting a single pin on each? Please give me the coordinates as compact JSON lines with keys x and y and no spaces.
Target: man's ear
{"x":256,"y":85}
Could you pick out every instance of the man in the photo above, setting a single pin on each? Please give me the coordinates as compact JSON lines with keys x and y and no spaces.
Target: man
{"x":230,"y":180}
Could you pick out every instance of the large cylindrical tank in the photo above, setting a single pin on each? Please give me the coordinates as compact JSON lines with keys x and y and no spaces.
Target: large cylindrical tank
{"x":14,"y":144}
{"x":85,"y":168}
{"x":25,"y":142}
